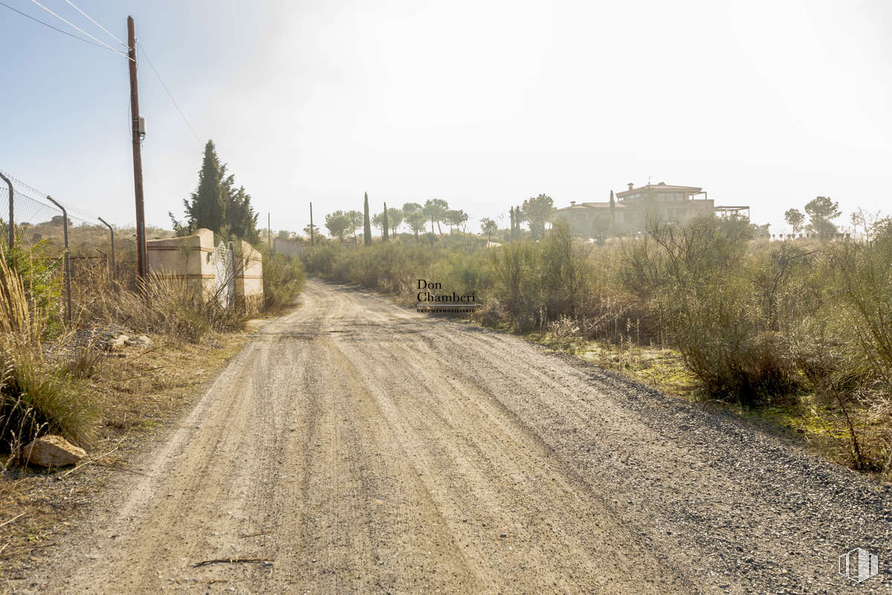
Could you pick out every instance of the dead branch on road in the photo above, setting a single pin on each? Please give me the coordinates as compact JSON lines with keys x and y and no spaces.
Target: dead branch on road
{"x":233,"y":561}
{"x":11,"y":520}
{"x":90,"y":461}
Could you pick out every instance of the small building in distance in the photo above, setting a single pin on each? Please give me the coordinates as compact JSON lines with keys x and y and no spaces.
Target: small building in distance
{"x":627,"y":212}
{"x":291,"y":248}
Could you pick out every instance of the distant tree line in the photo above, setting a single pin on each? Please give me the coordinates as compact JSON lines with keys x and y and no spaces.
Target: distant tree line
{"x":436,"y":211}
{"x":821,"y":212}
{"x":537,"y":211}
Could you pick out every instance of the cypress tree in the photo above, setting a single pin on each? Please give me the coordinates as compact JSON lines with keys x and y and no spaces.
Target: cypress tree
{"x":218,"y":204}
{"x":207,"y":205}
{"x":239,"y":215}
{"x":386,"y":235}
{"x":366,"y":223}
{"x":612,"y":210}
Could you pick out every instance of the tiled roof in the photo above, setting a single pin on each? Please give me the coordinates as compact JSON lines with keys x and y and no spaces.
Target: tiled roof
{"x":661,"y":187}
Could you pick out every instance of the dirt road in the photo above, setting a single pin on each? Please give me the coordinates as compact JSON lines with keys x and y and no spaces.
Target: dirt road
{"x":359,"y":447}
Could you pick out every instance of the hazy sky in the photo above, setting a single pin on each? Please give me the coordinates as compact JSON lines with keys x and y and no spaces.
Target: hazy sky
{"x":484,"y":104}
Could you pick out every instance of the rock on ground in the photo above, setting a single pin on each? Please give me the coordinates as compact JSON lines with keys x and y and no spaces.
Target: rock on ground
{"x":52,"y":451}
{"x":140,"y":341}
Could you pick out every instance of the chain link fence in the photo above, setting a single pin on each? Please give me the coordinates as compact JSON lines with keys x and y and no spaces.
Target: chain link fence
{"x":81,"y":250}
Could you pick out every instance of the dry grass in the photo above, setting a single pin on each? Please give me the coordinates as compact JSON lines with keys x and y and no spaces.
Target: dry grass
{"x":35,"y":395}
{"x":138,"y":392}
{"x":47,"y":387}
{"x":175,"y":308}
{"x":138,"y":388}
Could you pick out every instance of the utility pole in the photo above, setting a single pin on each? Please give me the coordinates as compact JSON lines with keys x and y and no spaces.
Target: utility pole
{"x":269,"y":233}
{"x":311,"y":225}
{"x":137,"y":154}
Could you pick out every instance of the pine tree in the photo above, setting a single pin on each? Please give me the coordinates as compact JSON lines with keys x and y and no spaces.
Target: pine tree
{"x":385,"y":235}
{"x":414,"y":215}
{"x":367,"y":224}
{"x":538,"y":210}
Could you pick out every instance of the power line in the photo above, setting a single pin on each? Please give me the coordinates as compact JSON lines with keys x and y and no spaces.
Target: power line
{"x":143,"y":49}
{"x":103,"y":44}
{"x":50,"y":26}
{"x":95,"y":23}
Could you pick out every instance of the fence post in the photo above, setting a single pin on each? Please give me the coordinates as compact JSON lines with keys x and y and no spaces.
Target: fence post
{"x":234,"y":270}
{"x":11,"y":211}
{"x":114,"y":271}
{"x":67,"y":260}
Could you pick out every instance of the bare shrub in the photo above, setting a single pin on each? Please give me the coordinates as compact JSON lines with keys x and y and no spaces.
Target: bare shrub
{"x":514,"y":266}
{"x":174,"y":307}
{"x":863,"y":272}
{"x":712,"y":314}
{"x":564,"y":327}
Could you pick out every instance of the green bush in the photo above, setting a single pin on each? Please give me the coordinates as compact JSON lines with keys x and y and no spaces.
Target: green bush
{"x":41,"y":279}
{"x":36,"y":396}
{"x":283,"y":280}
{"x":514,"y":269}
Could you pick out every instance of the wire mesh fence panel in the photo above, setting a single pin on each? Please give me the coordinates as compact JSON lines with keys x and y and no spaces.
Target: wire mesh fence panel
{"x":39,"y":238}
{"x":38,"y":258}
{"x":38,"y":223}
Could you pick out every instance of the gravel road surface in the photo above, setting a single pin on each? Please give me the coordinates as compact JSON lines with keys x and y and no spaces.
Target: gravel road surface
{"x":356,"y":446}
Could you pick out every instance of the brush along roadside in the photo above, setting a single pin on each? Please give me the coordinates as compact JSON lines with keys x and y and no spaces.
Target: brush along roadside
{"x":809,"y":421}
{"x":139,"y":392}
{"x":123,"y":365}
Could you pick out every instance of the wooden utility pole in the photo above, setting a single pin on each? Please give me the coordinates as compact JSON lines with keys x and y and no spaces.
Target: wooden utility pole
{"x":137,"y":154}
{"x":311,"y":225}
{"x":269,"y":232}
